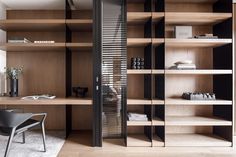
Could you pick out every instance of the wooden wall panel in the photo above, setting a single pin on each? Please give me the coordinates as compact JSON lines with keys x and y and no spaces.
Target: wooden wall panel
{"x":35,"y":14}
{"x":190,"y":7}
{"x":82,"y":75}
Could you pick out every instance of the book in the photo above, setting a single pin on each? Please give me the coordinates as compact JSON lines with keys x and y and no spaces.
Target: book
{"x":18,"y":40}
{"x":38,"y":97}
{"x":44,"y":42}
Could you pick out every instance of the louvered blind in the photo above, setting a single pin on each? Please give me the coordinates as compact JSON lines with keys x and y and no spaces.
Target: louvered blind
{"x":114,"y":67}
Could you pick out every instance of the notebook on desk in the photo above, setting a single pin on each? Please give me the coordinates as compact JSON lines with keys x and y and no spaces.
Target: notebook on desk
{"x":39,"y":97}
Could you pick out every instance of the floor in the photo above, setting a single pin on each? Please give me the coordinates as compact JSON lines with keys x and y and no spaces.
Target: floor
{"x":79,"y":145}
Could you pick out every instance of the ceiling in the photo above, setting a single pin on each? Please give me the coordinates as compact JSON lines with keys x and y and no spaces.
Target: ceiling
{"x":45,"y":4}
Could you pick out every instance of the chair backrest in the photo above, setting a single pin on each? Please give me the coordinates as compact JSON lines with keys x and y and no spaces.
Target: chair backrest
{"x":11,"y":119}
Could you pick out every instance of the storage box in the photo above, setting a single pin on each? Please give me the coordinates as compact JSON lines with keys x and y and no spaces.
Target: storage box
{"x":183,"y":32}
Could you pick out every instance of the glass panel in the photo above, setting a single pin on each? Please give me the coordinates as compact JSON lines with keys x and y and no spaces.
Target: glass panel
{"x":113,"y":67}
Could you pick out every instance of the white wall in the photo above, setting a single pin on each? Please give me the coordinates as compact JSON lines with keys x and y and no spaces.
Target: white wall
{"x":2,"y":53}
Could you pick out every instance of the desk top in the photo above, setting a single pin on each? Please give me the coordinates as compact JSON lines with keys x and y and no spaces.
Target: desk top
{"x":56,"y":101}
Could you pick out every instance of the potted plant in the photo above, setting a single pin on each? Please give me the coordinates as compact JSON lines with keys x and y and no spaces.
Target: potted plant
{"x":13,"y":75}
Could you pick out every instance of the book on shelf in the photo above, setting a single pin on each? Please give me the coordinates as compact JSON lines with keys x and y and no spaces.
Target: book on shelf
{"x":44,"y":42}
{"x":184,"y":65}
{"x":19,"y":40}
{"x":137,"y":117}
{"x":39,"y":97}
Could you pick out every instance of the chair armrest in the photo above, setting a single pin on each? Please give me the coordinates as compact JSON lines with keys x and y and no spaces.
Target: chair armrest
{"x":44,"y":115}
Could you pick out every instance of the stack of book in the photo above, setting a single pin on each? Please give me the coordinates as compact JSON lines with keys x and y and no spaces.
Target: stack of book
{"x":206,"y":36}
{"x":137,"y":117}
{"x":198,"y":96}
{"x":18,"y":40}
{"x":184,"y":65}
{"x":44,"y":42}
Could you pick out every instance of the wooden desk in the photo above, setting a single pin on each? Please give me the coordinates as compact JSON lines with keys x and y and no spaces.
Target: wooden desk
{"x":56,"y":101}
{"x":67,"y":102}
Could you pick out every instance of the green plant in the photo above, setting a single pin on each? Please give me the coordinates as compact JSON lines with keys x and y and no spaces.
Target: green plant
{"x":13,"y":73}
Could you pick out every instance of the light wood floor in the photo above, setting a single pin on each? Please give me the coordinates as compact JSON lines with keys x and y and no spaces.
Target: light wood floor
{"x":79,"y":145}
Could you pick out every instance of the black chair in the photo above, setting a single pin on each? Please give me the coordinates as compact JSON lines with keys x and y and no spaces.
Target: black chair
{"x":12,"y":124}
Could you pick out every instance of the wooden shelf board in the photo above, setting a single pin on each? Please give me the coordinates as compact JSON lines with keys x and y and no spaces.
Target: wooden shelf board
{"x":139,"y":102}
{"x":157,"y":141}
{"x":56,"y":101}
{"x":79,"y":46}
{"x":196,"y":121}
{"x":195,"y":18}
{"x":138,"y":42}
{"x":80,"y":24}
{"x":139,"y":123}
{"x":155,"y":71}
{"x":186,"y":43}
{"x":157,"y":122}
{"x":191,"y":1}
{"x":197,"y":72}
{"x":138,"y":17}
{"x":194,"y":140}
{"x":141,"y":71}
{"x":157,"y":41}
{"x":138,"y":140}
{"x":158,"y":102}
{"x":24,"y":47}
{"x":179,"y":101}
{"x":32,"y":25}
{"x":157,"y":16}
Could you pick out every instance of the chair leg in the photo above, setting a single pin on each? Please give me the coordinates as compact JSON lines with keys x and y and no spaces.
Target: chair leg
{"x":9,"y":142}
{"x":23,"y":137}
{"x":44,"y":136}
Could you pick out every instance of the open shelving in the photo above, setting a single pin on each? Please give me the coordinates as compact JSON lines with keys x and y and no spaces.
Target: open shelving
{"x":138,"y":140}
{"x":31,"y":47}
{"x":196,"y":140}
{"x":80,"y":24}
{"x":179,"y":101}
{"x":135,"y":42}
{"x":176,"y":121}
{"x":56,"y":101}
{"x":199,"y":43}
{"x":197,"y":72}
{"x":196,"y":121}
{"x":52,"y":68}
{"x":195,"y":18}
{"x":32,"y":24}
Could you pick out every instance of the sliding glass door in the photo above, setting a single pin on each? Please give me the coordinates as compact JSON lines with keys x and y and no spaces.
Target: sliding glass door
{"x":110,"y":70}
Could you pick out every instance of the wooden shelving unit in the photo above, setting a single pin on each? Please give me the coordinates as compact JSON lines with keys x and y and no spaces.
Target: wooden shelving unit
{"x":196,"y":121}
{"x":197,"y":72}
{"x":138,"y":140}
{"x":196,"y":140}
{"x":138,"y":17}
{"x":194,"y":18}
{"x":157,"y":122}
{"x":80,"y":24}
{"x":176,"y":121}
{"x":139,"y":123}
{"x":56,"y":101}
{"x":138,"y":42}
{"x":138,"y":102}
{"x":32,"y":47}
{"x":157,"y":16}
{"x":79,"y":46}
{"x":199,"y":43}
{"x":51,"y":68}
{"x":32,"y":24}
{"x":141,"y":71}
{"x":179,"y":101}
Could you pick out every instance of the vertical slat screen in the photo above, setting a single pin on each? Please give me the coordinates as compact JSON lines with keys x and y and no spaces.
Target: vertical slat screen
{"x":114,"y":68}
